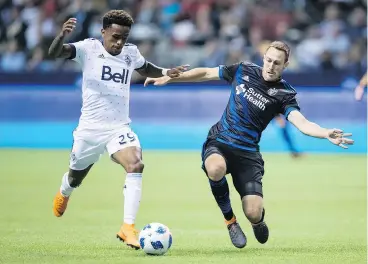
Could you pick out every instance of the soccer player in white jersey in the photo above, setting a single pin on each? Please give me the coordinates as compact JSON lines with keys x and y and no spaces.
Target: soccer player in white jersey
{"x":107,"y":67}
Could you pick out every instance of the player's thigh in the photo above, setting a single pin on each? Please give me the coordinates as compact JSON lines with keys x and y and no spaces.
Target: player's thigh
{"x":247,"y":170}
{"x":214,"y":160}
{"x":124,"y":148}
{"x":84,"y":153}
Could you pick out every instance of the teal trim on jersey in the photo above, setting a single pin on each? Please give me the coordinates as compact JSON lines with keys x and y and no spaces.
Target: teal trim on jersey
{"x":288,"y":110}
{"x":220,"y":70}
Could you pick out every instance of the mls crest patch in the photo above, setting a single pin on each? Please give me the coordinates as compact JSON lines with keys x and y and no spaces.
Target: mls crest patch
{"x":128,"y":60}
{"x":272,"y":91}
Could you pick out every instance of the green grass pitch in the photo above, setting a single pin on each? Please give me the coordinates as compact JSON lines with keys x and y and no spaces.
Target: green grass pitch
{"x":316,"y":211}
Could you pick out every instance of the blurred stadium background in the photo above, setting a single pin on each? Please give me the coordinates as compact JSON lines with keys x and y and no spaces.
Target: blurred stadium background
{"x":40,"y":104}
{"x":328,"y":40}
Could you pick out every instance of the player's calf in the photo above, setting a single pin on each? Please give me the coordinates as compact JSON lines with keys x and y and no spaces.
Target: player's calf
{"x":260,"y":230}
{"x":75,"y":177}
{"x":253,"y":210}
{"x":131,"y":159}
{"x":135,"y":167}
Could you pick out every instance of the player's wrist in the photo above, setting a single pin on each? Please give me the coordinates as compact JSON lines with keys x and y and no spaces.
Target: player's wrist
{"x":326,"y":133}
{"x":61,"y":35}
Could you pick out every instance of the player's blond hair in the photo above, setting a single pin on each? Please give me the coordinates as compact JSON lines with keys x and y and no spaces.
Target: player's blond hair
{"x":281,"y":46}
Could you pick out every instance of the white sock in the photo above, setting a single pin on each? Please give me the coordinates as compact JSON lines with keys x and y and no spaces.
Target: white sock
{"x":65,"y":188}
{"x":132,"y":196}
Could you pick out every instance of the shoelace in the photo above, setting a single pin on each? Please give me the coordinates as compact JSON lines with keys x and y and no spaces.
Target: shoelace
{"x":232,"y":227}
{"x":60,"y":202}
{"x":134,"y":231}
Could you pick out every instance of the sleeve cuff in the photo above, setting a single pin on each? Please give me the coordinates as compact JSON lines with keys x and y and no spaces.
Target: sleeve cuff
{"x":288,"y":110}
{"x":141,"y":67}
{"x":220,"y":68}
{"x":74,"y":52}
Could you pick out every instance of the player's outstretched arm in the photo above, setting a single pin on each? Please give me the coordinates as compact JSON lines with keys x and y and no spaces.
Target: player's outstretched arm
{"x":335,"y":136}
{"x":57,"y":48}
{"x":193,"y":75}
{"x":151,"y":70}
{"x":359,"y":90}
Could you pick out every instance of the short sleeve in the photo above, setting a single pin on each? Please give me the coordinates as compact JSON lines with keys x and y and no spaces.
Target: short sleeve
{"x":139,"y":60}
{"x":288,"y":104}
{"x":79,"y":50}
{"x":227,"y":73}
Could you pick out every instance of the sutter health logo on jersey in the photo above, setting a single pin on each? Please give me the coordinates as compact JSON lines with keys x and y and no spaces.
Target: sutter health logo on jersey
{"x":107,"y":75}
{"x":252,"y":96}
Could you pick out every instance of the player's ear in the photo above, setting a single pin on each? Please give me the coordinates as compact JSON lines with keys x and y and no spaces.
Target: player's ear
{"x":286,"y":64}
{"x":102,"y":32}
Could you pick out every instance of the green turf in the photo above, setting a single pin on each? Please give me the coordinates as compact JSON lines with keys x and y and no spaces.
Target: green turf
{"x":316,"y":211}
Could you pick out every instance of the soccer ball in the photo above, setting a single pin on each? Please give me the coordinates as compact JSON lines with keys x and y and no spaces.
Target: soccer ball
{"x":155,"y":239}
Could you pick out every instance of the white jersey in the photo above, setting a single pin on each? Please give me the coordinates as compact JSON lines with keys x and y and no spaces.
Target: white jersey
{"x":106,"y":83}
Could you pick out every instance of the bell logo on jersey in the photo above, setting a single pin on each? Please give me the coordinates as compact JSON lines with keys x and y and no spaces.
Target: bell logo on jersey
{"x":107,"y":75}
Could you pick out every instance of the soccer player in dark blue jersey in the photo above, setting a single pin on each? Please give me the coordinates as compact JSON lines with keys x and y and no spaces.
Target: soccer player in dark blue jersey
{"x":258,"y":94}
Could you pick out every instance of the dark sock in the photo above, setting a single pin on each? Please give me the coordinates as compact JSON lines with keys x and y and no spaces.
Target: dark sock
{"x":287,"y":138}
{"x":220,"y":190}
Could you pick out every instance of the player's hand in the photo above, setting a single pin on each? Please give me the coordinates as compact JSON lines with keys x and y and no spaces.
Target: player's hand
{"x":175,"y":72}
{"x":69,"y":26}
{"x":358,"y":93}
{"x":157,"y":81}
{"x":339,"y":138}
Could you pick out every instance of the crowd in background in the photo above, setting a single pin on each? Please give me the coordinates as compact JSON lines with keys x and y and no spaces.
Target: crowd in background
{"x":324,"y":35}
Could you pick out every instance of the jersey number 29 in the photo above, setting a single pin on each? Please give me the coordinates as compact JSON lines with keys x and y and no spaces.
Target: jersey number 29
{"x":126,"y":138}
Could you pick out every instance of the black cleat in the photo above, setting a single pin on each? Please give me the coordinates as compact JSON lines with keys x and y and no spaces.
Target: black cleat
{"x":261,"y":232}
{"x":237,"y":236}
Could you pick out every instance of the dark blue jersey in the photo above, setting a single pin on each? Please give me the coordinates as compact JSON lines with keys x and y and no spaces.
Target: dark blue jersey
{"x":253,"y":103}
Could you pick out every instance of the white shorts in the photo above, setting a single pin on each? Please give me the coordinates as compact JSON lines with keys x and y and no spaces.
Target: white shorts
{"x":90,"y":144}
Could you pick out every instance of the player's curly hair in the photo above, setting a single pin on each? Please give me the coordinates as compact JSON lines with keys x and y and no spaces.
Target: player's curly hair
{"x":281,"y":46}
{"x":119,"y":17}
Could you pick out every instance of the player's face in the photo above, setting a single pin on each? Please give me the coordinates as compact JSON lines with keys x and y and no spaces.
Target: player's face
{"x":115,"y":38}
{"x":273,"y":64}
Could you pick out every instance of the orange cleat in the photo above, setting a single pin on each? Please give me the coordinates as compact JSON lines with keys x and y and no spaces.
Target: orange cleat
{"x":60,"y":204}
{"x":128,"y":234}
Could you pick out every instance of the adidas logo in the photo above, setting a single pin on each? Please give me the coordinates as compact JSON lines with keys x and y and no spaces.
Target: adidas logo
{"x":101,"y":56}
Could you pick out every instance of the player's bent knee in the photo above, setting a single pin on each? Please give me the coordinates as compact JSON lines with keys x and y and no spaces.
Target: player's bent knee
{"x":253,"y":207}
{"x":135,"y":167}
{"x":216,"y":171}
{"x":253,"y":213}
{"x":215,"y":167}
